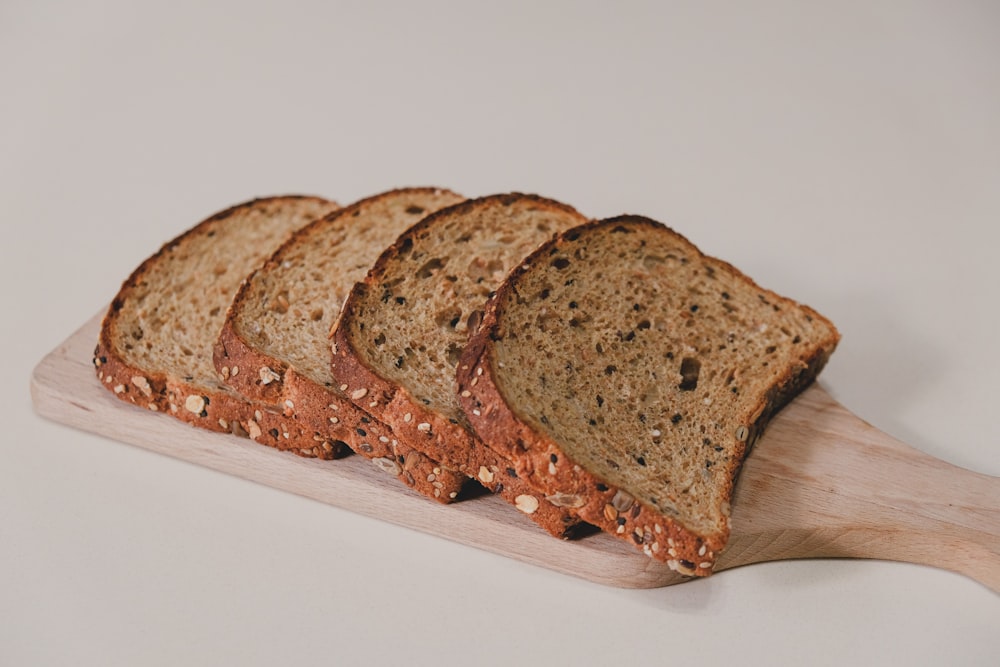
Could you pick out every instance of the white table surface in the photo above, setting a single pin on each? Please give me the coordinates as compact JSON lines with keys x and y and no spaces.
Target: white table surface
{"x":847,"y":156}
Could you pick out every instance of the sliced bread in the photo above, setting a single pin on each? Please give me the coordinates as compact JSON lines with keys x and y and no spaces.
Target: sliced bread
{"x":155,"y":344}
{"x":627,"y":373}
{"x":275,"y":347}
{"x":403,"y":329}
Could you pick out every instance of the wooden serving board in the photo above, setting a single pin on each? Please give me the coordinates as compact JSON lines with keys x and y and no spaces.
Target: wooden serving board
{"x":819,"y":483}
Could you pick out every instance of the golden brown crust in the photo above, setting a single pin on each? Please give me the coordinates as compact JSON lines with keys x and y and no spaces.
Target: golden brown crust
{"x":539,"y":459}
{"x":427,"y":431}
{"x":327,"y":414}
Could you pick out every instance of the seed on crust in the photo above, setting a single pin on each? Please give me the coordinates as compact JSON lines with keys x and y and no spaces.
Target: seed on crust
{"x":267,"y":376}
{"x":358,"y":394}
{"x":195,"y":403}
{"x":142,"y":384}
{"x":622,"y":501}
{"x":565,"y":500}
{"x":387,"y":465}
{"x":424,"y":427}
{"x":234,"y":371}
{"x":610,"y":513}
{"x":253,"y":430}
{"x":526,"y":503}
{"x":485,"y":476}
{"x":119,"y":388}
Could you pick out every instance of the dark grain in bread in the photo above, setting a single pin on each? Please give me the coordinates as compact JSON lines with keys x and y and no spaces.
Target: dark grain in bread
{"x":402,"y":331}
{"x":628,"y":374}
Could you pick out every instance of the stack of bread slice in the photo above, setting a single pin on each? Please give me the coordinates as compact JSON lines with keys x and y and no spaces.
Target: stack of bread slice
{"x":605,"y":372}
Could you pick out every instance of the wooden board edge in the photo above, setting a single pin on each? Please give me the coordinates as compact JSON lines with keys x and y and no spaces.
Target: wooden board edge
{"x":64,"y":389}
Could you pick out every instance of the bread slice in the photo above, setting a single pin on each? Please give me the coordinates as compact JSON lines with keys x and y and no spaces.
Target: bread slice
{"x":156,"y":340}
{"x":402,"y":330}
{"x":625,"y":372}
{"x":274,"y":345}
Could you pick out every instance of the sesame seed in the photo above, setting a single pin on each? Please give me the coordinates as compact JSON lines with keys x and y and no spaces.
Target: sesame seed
{"x":407,"y":418}
{"x":358,"y":394}
{"x":343,"y":387}
{"x":194,"y":403}
{"x":527,"y":504}
{"x":424,"y":427}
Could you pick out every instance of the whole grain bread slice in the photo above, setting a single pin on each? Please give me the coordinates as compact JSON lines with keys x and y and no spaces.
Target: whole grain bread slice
{"x":274,"y":345}
{"x":156,"y":340}
{"x":403,"y":328}
{"x":630,"y":374}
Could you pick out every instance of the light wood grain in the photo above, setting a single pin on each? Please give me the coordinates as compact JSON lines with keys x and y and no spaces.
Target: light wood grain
{"x":819,"y":483}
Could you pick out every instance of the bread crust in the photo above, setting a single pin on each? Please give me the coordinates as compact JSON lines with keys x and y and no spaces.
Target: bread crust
{"x":540,"y":460}
{"x":325,"y":411}
{"x":427,"y":430}
{"x":215,"y":410}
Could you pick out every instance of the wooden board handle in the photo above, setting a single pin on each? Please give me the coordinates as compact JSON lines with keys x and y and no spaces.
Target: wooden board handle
{"x":824,"y":483}
{"x":821,"y":482}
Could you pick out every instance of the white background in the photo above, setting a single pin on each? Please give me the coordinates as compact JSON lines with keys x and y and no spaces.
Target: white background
{"x":846,"y":154}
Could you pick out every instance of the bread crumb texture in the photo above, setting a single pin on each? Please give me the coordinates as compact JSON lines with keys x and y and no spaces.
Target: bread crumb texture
{"x":648,"y":365}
